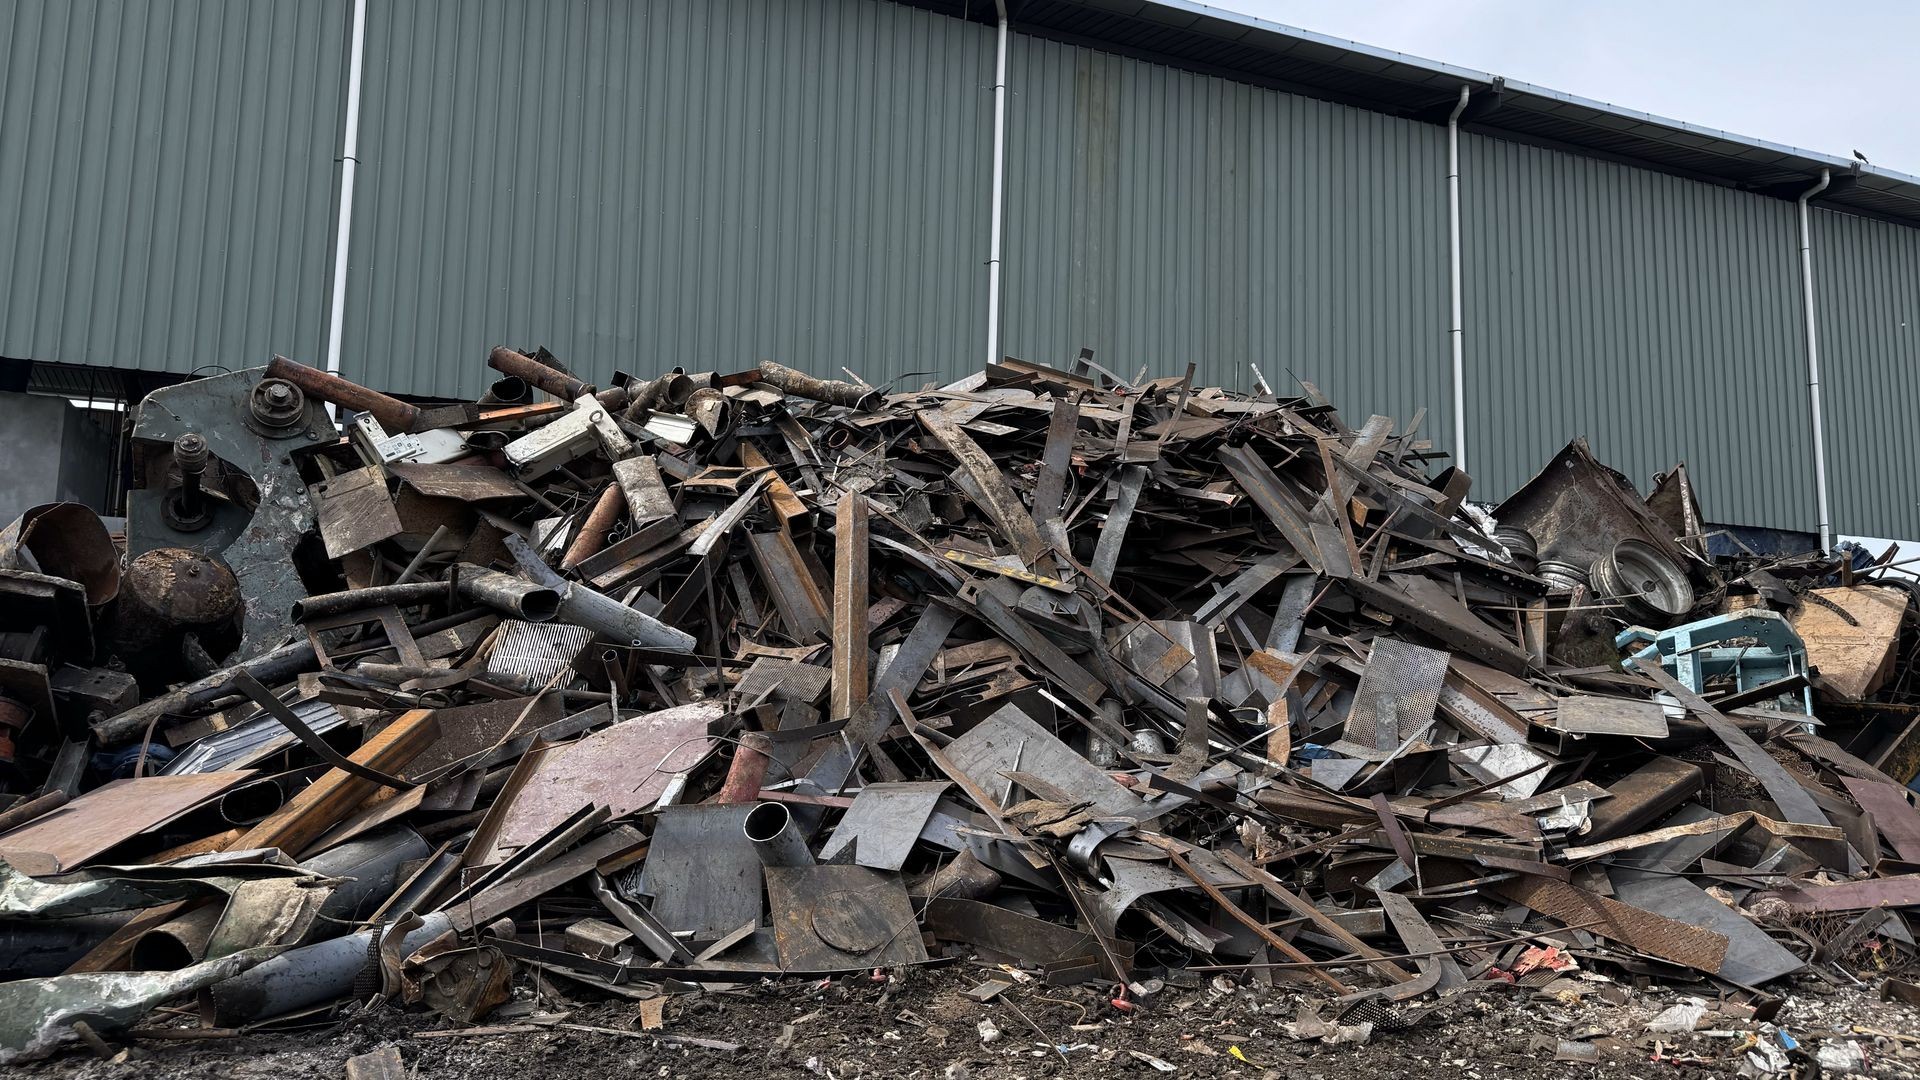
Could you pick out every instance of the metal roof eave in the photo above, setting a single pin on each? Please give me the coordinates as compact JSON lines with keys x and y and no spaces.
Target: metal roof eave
{"x":1209,"y":40}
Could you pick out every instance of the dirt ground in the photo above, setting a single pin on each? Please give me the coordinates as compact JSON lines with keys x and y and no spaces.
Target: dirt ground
{"x":922,"y":1024}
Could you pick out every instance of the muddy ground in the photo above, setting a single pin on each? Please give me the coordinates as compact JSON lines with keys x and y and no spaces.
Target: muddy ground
{"x":922,"y":1024}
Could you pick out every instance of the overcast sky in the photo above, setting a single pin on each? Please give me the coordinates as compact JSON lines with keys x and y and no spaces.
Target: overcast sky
{"x":1827,"y":77}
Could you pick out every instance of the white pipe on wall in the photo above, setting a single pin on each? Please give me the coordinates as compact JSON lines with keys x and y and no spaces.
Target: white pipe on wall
{"x":1458,"y":332}
{"x":1813,"y":361}
{"x":349,"y":161}
{"x":999,"y":183}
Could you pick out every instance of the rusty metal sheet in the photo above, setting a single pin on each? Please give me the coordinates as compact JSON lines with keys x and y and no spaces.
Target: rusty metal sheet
{"x":1893,"y":892}
{"x":833,"y":918}
{"x":467,"y":483}
{"x":1590,"y":714}
{"x":96,"y":821}
{"x":701,"y":873}
{"x":1752,"y":957}
{"x":623,"y":768}
{"x":1655,"y":935}
{"x":1008,"y":741}
{"x":883,"y":824}
{"x":1893,"y":815}
{"x":354,"y":510}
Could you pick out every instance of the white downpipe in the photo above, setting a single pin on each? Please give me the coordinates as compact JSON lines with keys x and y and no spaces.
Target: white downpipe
{"x":1458,"y":332}
{"x":1813,"y":361}
{"x":349,"y":162}
{"x":999,"y":182}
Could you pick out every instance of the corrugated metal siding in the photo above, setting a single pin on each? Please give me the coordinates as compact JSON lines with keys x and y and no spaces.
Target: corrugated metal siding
{"x":167,"y":179}
{"x":1159,"y":216}
{"x":1867,"y":296}
{"x":1659,"y":317}
{"x":691,"y":182}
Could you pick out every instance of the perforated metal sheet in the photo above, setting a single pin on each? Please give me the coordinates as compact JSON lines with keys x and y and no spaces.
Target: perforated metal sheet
{"x":1407,"y":675}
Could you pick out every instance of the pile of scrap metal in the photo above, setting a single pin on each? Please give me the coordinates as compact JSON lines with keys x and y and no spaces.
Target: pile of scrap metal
{"x":706,"y":678}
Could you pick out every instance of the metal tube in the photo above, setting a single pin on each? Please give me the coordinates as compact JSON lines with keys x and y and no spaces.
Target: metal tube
{"x":308,"y":975}
{"x":1813,"y":360}
{"x":508,"y":390}
{"x":776,"y":837}
{"x":516,"y":596}
{"x":832,"y":391}
{"x":177,"y":943}
{"x":556,"y":383}
{"x":251,"y":803}
{"x":747,"y":771}
{"x":610,"y":620}
{"x":395,"y":415}
{"x":420,"y":557}
{"x":594,"y":530}
{"x":190,"y":454}
{"x":327,"y":605}
{"x":365,"y":871}
{"x":999,"y":181}
{"x":1457,"y":334}
{"x":349,"y":165}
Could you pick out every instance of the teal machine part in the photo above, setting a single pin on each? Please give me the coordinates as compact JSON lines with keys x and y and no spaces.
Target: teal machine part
{"x":1756,"y":647}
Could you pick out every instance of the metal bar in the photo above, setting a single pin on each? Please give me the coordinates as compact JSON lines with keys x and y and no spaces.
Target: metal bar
{"x":851,"y":551}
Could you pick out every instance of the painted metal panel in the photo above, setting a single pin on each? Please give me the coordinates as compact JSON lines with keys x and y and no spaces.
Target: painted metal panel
{"x":1659,"y":317}
{"x":1867,"y":297}
{"x":167,"y":179}
{"x":1159,"y":216}
{"x":706,"y":183}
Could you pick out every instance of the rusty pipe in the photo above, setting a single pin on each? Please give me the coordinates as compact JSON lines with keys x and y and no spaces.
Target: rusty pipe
{"x":395,"y":415}
{"x":832,"y":391}
{"x":15,"y":816}
{"x":670,"y":390}
{"x":594,"y":530}
{"x":519,"y":365}
{"x":508,"y":390}
{"x":747,"y":772}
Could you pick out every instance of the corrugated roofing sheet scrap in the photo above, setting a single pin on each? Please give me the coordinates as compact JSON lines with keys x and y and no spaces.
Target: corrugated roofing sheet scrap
{"x":715,"y":676}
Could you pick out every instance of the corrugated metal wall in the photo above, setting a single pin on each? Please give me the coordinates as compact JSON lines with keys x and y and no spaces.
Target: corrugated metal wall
{"x":642,"y":184}
{"x":1867,"y":296}
{"x":1659,"y":317}
{"x":1159,"y":216}
{"x":680,"y":182}
{"x":167,"y":179}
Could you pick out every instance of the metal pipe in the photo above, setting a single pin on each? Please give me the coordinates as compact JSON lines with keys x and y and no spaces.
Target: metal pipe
{"x":349,"y":164}
{"x":309,"y":975}
{"x":594,"y":530}
{"x":999,"y":180}
{"x":365,"y":871}
{"x":1813,"y":360}
{"x":832,"y":391}
{"x":747,"y":771}
{"x":549,"y":380}
{"x":518,"y":597}
{"x":508,"y":390}
{"x":776,"y":837}
{"x":251,"y":803}
{"x":394,"y":415}
{"x":610,"y":620}
{"x":1458,"y":332}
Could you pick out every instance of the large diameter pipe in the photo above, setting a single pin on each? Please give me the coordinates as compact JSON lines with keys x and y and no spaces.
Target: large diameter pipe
{"x":309,"y":975}
{"x":395,"y":416}
{"x":1457,"y":334}
{"x":776,"y":837}
{"x":1813,"y":360}
{"x":365,"y":871}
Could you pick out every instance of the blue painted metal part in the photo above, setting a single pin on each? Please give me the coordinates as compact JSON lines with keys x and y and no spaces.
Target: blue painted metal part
{"x":1695,"y":652}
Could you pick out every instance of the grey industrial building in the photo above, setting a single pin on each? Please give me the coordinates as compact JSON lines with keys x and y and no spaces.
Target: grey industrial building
{"x":648,"y":183}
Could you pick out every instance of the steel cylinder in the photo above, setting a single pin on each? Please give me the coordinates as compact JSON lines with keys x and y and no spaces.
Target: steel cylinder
{"x":169,"y":593}
{"x":776,"y":837}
